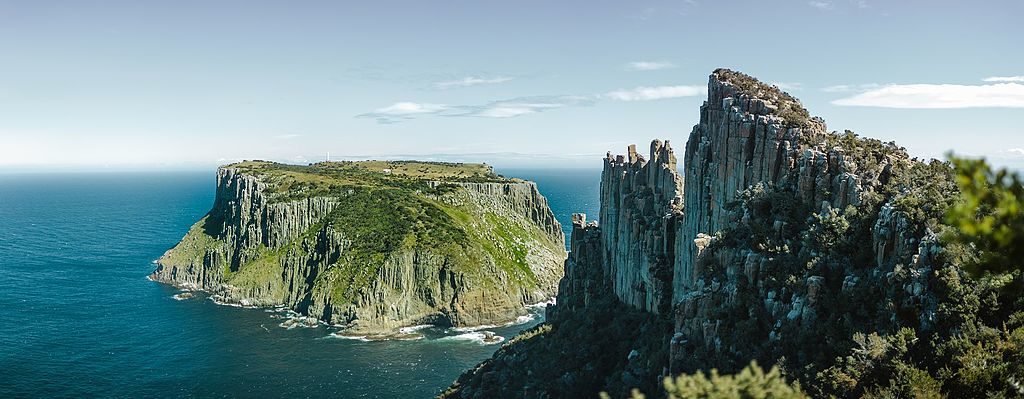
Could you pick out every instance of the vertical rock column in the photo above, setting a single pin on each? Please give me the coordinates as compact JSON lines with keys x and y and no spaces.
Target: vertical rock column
{"x":584,"y":269}
{"x":640,"y":203}
{"x":739,"y":142}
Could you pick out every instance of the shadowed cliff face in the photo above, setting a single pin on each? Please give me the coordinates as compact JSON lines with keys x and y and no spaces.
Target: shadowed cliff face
{"x":769,"y":198}
{"x":640,"y":204}
{"x":397,"y":253}
{"x":740,"y":141}
{"x":779,"y":240}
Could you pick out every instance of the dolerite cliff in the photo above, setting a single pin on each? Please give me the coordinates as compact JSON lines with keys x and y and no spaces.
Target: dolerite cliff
{"x":373,"y":246}
{"x":779,"y":243}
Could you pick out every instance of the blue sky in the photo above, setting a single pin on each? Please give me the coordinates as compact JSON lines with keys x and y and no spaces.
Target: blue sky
{"x":192,"y":84}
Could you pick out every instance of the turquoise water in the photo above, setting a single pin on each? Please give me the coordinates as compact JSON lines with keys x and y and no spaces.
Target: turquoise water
{"x":80,"y":319}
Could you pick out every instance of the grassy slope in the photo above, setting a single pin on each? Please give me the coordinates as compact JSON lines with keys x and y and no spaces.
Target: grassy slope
{"x":290,"y":182}
{"x":192,"y":247}
{"x":387,"y":206}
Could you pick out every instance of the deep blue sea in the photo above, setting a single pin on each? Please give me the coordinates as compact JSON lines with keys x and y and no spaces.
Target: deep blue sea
{"x":78,"y":318}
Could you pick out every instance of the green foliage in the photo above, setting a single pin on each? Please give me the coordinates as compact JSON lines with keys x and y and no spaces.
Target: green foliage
{"x":750,"y":383}
{"x":379,"y":209}
{"x":789,"y":108}
{"x":379,"y":221}
{"x":771,"y":216}
{"x":989,"y":218}
{"x":927,"y":190}
{"x":869,"y":155}
{"x":828,"y":230}
{"x":575,"y":355}
{"x":193,"y":247}
{"x":292,"y":182}
{"x":947,"y":323}
{"x":960,"y":338}
{"x":263,"y":270}
{"x":508,"y":248}
{"x":974,"y":346}
{"x":907,"y":382}
{"x":879,"y":367}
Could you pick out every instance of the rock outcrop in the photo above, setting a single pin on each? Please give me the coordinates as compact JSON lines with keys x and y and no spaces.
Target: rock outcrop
{"x":403,"y":252}
{"x":640,"y":203}
{"x":757,"y":251}
{"x":739,"y":141}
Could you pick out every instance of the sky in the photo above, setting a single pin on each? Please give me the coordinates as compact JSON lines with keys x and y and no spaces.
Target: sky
{"x":87,"y":85}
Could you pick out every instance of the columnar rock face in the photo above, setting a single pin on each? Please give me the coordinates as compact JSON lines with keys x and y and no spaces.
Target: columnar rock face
{"x":743,"y":147}
{"x":255,"y":249}
{"x":587,"y":283}
{"x":738,"y":142}
{"x":640,"y":202}
{"x":742,"y":142}
{"x":519,"y":198}
{"x":774,"y":217}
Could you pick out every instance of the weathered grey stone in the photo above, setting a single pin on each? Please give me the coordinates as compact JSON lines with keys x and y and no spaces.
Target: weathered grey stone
{"x":648,"y":219}
{"x":738,"y":143}
{"x":639,"y":210}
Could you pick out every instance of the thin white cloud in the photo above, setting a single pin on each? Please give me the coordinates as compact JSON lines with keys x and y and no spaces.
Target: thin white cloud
{"x":509,"y":111}
{"x":1019,"y":152}
{"x":510,"y":108}
{"x":649,"y":65}
{"x":940,"y":96}
{"x":287,"y":136}
{"x":411,"y":108}
{"x":656,"y":93}
{"x":403,"y":110}
{"x":821,"y":5}
{"x":520,"y":106}
{"x":472,"y":81}
{"x":1005,"y":79}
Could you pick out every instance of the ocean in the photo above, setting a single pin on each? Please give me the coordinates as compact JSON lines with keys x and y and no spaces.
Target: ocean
{"x":78,"y":318}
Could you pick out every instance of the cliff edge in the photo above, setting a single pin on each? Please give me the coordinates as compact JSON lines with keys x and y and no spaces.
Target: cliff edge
{"x":779,"y":243}
{"x":373,"y":246}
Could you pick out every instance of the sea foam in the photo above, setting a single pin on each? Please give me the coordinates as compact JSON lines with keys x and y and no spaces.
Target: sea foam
{"x":482,"y":338}
{"x":412,"y":329}
{"x":521,"y":320}
{"x":541,"y":305}
{"x":473,"y":328}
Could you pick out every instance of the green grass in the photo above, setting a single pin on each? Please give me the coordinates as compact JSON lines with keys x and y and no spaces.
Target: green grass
{"x":509,"y":249}
{"x":292,"y":182}
{"x":193,"y":246}
{"x":380,"y":221}
{"x":416,"y":169}
{"x":382,"y":208}
{"x":264,"y":269}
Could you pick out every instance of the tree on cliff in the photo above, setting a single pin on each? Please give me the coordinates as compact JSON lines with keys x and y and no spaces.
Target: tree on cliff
{"x":750,"y":383}
{"x":977,"y":349}
{"x":989,"y":218}
{"x":986,"y":238}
